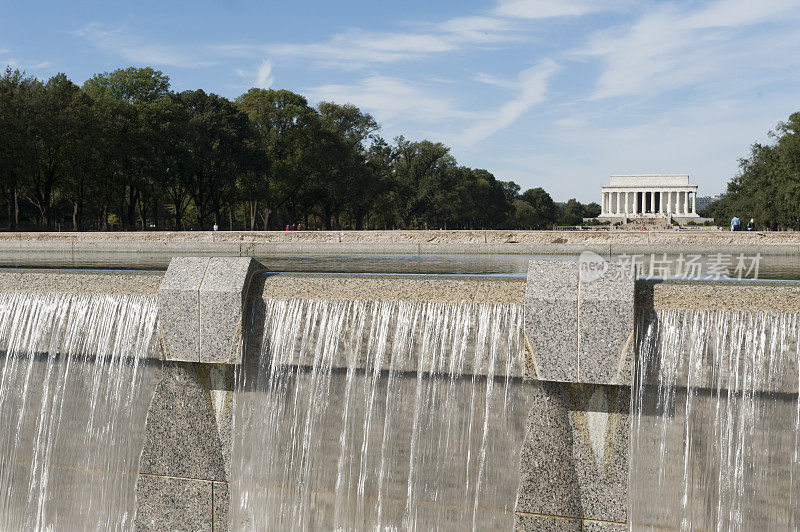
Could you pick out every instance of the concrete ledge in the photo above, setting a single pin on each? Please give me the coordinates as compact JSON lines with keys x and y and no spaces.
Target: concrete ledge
{"x":748,"y":296}
{"x":81,"y":282}
{"x":389,"y":288}
{"x":261,"y":243}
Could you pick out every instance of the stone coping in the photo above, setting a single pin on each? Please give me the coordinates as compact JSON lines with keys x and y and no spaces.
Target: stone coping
{"x":390,"y":288}
{"x":81,"y":282}
{"x":264,"y":243}
{"x":760,"y":296}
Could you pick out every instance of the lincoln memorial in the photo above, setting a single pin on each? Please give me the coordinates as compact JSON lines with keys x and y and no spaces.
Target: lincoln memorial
{"x":649,"y":196}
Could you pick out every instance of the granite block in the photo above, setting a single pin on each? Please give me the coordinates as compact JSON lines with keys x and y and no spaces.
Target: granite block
{"x":544,"y":523}
{"x":551,"y":332}
{"x":222,"y":503}
{"x":164,"y":503}
{"x":552,"y":279}
{"x":616,"y":284}
{"x":551,"y":319}
{"x":604,"y":526}
{"x":605,"y":326}
{"x":606,"y":342}
{"x":575,"y":456}
{"x":182,"y":434}
{"x":178,"y":296}
{"x":221,"y":304}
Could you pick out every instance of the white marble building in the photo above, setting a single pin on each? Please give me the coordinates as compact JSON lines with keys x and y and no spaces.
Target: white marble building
{"x":649,"y":196}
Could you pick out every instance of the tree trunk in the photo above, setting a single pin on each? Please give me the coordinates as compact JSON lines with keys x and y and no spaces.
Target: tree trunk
{"x":253,"y":212}
{"x":16,"y":207}
{"x":10,"y":214}
{"x":267,"y":212}
{"x":155,"y":213}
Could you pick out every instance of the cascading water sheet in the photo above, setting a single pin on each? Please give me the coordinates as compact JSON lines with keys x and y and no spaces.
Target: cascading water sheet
{"x":367,"y":415}
{"x":75,"y":386}
{"x":714,"y":443}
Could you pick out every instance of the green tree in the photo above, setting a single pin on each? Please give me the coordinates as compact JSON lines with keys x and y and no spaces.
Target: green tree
{"x":17,"y":154}
{"x":343,"y":180}
{"x":536,"y":210}
{"x":218,"y":134}
{"x":423,"y":183}
{"x":283,"y":123}
{"x":132,"y":85}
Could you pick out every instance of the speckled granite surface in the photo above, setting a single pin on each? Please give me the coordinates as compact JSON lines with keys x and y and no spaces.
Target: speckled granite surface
{"x":545,"y":523}
{"x":389,"y":288}
{"x":551,"y":319}
{"x":222,"y":300}
{"x":84,"y":282}
{"x":248,"y":243}
{"x":178,"y":300}
{"x":763,"y":296}
{"x":605,"y":327}
{"x":183,"y":435}
{"x":185,"y":464}
{"x":165,"y":503}
{"x":575,"y":456}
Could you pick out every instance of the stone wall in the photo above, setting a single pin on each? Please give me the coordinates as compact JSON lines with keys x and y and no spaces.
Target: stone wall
{"x":264,"y":243}
{"x":574,"y":468}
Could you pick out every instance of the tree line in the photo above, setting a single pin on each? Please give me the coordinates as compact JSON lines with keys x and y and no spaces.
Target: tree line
{"x":767,"y":187}
{"x":125,"y":152}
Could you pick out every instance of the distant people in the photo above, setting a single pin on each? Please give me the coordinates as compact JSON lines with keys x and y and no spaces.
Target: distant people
{"x":216,"y":227}
{"x":288,"y":227}
{"x":751,"y":225}
{"x":299,"y":227}
{"x":736,"y":224}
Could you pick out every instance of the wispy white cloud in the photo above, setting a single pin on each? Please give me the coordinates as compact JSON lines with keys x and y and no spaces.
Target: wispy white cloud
{"x":358,"y":48}
{"x":537,"y":9}
{"x":264,"y":77}
{"x":117,"y":41}
{"x":669,"y":48}
{"x":7,"y":60}
{"x":390,"y":99}
{"x":531,"y":87}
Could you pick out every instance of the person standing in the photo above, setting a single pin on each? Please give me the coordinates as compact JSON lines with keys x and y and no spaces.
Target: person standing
{"x":736,"y":224}
{"x":751,"y":225}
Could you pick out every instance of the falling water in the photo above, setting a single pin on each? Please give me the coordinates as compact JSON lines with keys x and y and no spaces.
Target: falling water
{"x":367,"y":415}
{"x":75,"y":386}
{"x":717,"y":422}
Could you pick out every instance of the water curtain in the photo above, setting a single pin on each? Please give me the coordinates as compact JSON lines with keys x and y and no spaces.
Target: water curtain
{"x":366,"y":415}
{"x":75,"y":386}
{"x":716,"y":422}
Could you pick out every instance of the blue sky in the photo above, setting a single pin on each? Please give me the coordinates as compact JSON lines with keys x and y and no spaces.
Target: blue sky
{"x":550,"y":93}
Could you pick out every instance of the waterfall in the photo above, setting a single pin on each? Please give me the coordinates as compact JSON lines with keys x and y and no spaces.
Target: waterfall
{"x":380,"y":415}
{"x":716,"y":426}
{"x":75,"y":386}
